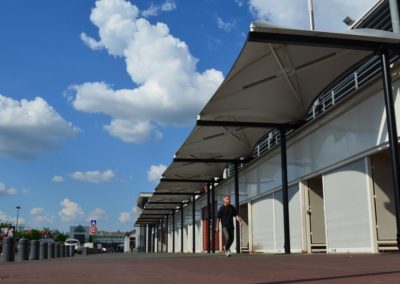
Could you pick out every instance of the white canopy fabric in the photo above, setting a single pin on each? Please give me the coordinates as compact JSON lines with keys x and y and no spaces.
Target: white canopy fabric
{"x":280,"y":72}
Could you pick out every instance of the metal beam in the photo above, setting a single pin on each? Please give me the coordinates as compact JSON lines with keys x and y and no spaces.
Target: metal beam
{"x":174,"y":193}
{"x":216,"y":123}
{"x":184,"y":180}
{"x":163,"y":202}
{"x":159,"y":209}
{"x":236,"y":170}
{"x":285,"y":192}
{"x":321,"y":41}
{"x":209,"y":161}
{"x":393,"y":137}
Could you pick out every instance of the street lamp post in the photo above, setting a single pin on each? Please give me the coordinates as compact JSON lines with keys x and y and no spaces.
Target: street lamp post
{"x":16,"y":225}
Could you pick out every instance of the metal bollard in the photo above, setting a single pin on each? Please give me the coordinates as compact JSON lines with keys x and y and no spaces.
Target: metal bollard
{"x":62,"y":249}
{"x":57,"y":249}
{"x":72,"y":250}
{"x":8,"y":249}
{"x":67,"y":251}
{"x":34,"y":254}
{"x":43,"y":250}
{"x":50,"y":251}
{"x":23,"y":249}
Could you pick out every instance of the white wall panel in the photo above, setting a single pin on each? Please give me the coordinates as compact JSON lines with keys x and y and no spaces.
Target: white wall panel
{"x":263,"y":224}
{"x":347,"y":209}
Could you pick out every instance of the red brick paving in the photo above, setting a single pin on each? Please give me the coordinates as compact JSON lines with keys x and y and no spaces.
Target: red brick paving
{"x":168,"y":268}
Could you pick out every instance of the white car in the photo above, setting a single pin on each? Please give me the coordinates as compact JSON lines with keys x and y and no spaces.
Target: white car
{"x":74,"y":242}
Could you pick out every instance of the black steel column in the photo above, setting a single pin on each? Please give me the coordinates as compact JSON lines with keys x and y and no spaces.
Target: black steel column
{"x":182,"y":225}
{"x":285,"y":191}
{"x":392,"y":133}
{"x":167,"y":234}
{"x":154,"y":239}
{"x":193,"y":224}
{"x":236,"y":168}
{"x":208,"y":218}
{"x":173,"y":231}
{"x":162,"y":235}
{"x":145,"y":238}
{"x":213,"y":215}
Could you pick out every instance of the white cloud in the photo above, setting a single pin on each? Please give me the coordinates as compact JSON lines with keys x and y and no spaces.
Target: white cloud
{"x":28,"y":128}
{"x":40,"y":217}
{"x":328,"y":14}
{"x":225,"y":26}
{"x":155,"y":172}
{"x":70,"y":211}
{"x":154,"y":10}
{"x":94,"y":176}
{"x":91,"y":42}
{"x":58,"y":179}
{"x":11,"y":219}
{"x":7,"y":191}
{"x":97,"y":214}
{"x":170,"y":90}
{"x":239,"y":2}
{"x":125,"y":217}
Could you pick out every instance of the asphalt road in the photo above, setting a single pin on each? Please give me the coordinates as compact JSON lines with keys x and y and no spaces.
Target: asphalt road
{"x":203,"y":268}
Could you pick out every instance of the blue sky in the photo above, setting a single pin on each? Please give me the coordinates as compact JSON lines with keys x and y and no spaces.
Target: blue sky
{"x":96,"y":96}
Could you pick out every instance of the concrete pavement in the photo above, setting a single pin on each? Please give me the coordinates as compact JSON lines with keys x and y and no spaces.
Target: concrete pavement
{"x":203,"y":268}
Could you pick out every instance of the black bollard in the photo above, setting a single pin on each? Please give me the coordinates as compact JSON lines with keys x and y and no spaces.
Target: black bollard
{"x":62,"y":249}
{"x":8,"y":249}
{"x":43,"y":250}
{"x":57,"y":249}
{"x":72,"y":250}
{"x":23,"y":249}
{"x":34,"y":254}
{"x":67,"y":251}
{"x":50,"y":250}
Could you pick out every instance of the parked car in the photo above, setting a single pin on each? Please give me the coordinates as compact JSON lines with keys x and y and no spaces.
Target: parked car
{"x":74,"y":242}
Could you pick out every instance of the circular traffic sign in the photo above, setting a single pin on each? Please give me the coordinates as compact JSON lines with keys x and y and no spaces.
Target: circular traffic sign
{"x":93,"y":229}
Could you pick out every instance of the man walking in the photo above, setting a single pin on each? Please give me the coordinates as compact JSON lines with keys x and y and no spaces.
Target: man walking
{"x":226,"y":213}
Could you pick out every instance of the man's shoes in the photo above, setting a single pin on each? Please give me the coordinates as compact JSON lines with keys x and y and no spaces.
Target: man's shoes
{"x":228,"y":253}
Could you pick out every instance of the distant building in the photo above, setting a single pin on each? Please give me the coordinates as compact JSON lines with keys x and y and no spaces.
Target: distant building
{"x":113,"y":241}
{"x":79,"y":232}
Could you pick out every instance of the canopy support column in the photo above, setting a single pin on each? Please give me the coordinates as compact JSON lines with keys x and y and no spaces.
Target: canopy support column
{"x":167,"y":234}
{"x":285,"y":191}
{"x":153,"y":247}
{"x":182,"y":226}
{"x":193,"y":224}
{"x":173,"y":231}
{"x":208,"y":218}
{"x":213,"y":215}
{"x":162,"y":235}
{"x":147,"y":238}
{"x":392,"y":133}
{"x":236,"y":172}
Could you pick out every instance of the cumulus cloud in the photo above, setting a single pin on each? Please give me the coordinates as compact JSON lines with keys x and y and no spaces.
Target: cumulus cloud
{"x":97,"y":214}
{"x":11,"y":219}
{"x":225,"y":25}
{"x":94,"y":176}
{"x":328,"y":14}
{"x":28,"y":128}
{"x":155,"y":10}
{"x":91,"y":42}
{"x":125,"y":217}
{"x":7,"y":191}
{"x":169,"y":88}
{"x":155,"y":172}
{"x":70,"y":211}
{"x":239,"y":2}
{"x":40,"y":217}
{"x":58,"y":179}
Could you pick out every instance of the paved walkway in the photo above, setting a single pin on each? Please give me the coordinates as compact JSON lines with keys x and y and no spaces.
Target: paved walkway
{"x":187,"y":268}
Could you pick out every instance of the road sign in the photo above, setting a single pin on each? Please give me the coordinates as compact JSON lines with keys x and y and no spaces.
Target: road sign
{"x":92,"y":222}
{"x":93,"y":230}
